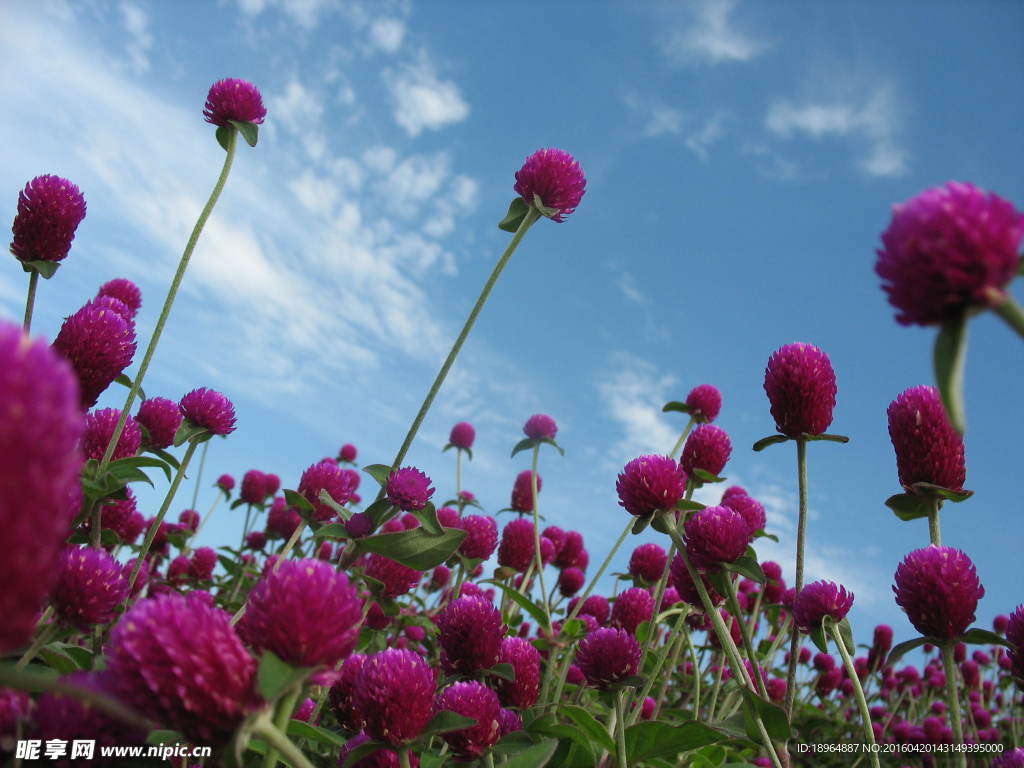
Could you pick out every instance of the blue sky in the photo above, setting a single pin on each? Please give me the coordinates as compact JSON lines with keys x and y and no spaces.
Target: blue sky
{"x":741,"y":158}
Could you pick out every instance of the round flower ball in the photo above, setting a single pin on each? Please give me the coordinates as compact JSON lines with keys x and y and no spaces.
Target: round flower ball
{"x":326,"y":476}
{"x":462,"y":436}
{"x":632,"y":608}
{"x":90,"y":586}
{"x":161,"y":418}
{"x":233,"y":99}
{"x":470,"y":635}
{"x":525,"y":660}
{"x":704,"y":402}
{"x":648,"y":562}
{"x":708,"y":447}
{"x":650,"y":484}
{"x":99,"y":428}
{"x":820,"y":599}
{"x":210,"y":410}
{"x":607,"y":656}
{"x":540,"y":426}
{"x":517,"y":549}
{"x":716,"y":535}
{"x":394,"y":695}
{"x":938,"y":588}
{"x":475,"y":700}
{"x":50,"y":208}
{"x":928,"y":448}
{"x":409,"y":489}
{"x":801,"y":387}
{"x":100,"y":344}
{"x":522,"y":491}
{"x":126,"y":292}
{"x":481,"y":536}
{"x":556,"y":178}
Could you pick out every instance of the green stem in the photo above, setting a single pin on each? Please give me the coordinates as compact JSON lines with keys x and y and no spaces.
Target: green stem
{"x":862,"y":702}
{"x":953,"y":700}
{"x":97,"y":524}
{"x":42,"y":638}
{"x":281,"y":558}
{"x":30,"y":299}
{"x":620,"y":729}
{"x":682,"y":438}
{"x":801,"y":534}
{"x":199,"y":475}
{"x":531,"y":216}
{"x":934,"y":531}
{"x":245,"y":527}
{"x":1012,"y":313}
{"x":680,"y":639}
{"x":171,"y":294}
{"x":458,"y":472}
{"x":696,"y":677}
{"x":151,"y":533}
{"x":403,"y":757}
{"x":748,"y":643}
{"x":209,"y":513}
{"x":277,"y":740}
{"x":489,"y":760}
{"x":715,"y":690}
{"x":659,"y":595}
{"x":284,"y":714}
{"x":538,"y":561}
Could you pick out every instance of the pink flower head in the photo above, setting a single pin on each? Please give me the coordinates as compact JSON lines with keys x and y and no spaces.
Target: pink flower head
{"x":470,"y":635}
{"x":938,"y":589}
{"x":570,"y":553}
{"x":189,"y":519}
{"x":540,"y":426}
{"x":340,"y":696}
{"x":948,"y":249}
{"x":595,"y":605}
{"x":282,"y":520}
{"x":928,"y":448}
{"x":632,"y":608}
{"x":774,"y":584}
{"x":554,"y":176}
{"x":49,"y":211}
{"x":397,"y":578}
{"x":394,"y":695}
{"x":705,"y":403}
{"x":126,"y":292}
{"x":606,"y":656}
{"x":648,"y":562}
{"x":204,"y":560}
{"x":256,"y":540}
{"x":409,"y":489}
{"x":650,"y":484}
{"x":571,"y":581}
{"x":510,"y":721}
{"x":226,"y":483}
{"x":462,"y":435}
{"x":708,"y":447}
{"x":820,"y":599}
{"x":716,"y":535}
{"x":100,"y":344}
{"x":161,"y":418}
{"x":209,"y":409}
{"x":304,"y":611}
{"x":233,"y":99}
{"x":177,"y":660}
{"x":733,"y":490}
{"x":254,"y":487}
{"x":525,"y":660}
{"x":99,"y":428}
{"x":687,"y":590}
{"x":556,"y":536}
{"x":1015,"y":628}
{"x":325,"y":476}
{"x":517,"y":548}
{"x":475,"y":700}
{"x":481,"y":536}
{"x":801,"y":388}
{"x":751,"y":509}
{"x":90,"y":586}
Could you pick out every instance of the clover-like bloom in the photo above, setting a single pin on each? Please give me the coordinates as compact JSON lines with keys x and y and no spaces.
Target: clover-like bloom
{"x":525,"y":660}
{"x":254,"y":487}
{"x":49,"y":211}
{"x":209,"y":409}
{"x":938,"y":588}
{"x":606,"y":656}
{"x":751,"y":509}
{"x":928,"y":448}
{"x":554,"y":176}
{"x":632,"y":608}
{"x":161,"y":417}
{"x":522,"y":491}
{"x":393,"y":695}
{"x":648,"y":561}
{"x":708,"y":447}
{"x":540,"y":426}
{"x":282,"y":520}
{"x":226,"y":483}
{"x":475,"y":700}
{"x":571,"y":581}
{"x":462,"y":435}
{"x":347,"y":453}
{"x":820,"y":599}
{"x":177,"y":660}
{"x":568,"y":550}
{"x":99,"y":428}
{"x":397,"y":578}
{"x":949,"y":249}
{"x":595,"y":605}
{"x":650,"y":484}
{"x":409,"y":489}
{"x":686,"y":589}
{"x":801,"y":388}
{"x":716,"y":535}
{"x":305,"y":611}
{"x":705,"y":403}
{"x":100,"y":344}
{"x":481,"y":535}
{"x":327,"y":476}
{"x":126,"y":292}
{"x":233,"y":99}
{"x":470,"y":635}
{"x":204,"y":560}
{"x":517,"y":549}
{"x":90,"y":586}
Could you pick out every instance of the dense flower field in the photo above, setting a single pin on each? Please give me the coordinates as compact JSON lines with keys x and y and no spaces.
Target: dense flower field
{"x":370,"y":616}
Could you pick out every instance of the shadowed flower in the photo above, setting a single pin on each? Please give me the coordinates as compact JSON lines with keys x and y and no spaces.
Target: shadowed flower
{"x":525,"y":660}
{"x":632,"y":608}
{"x":209,"y":409}
{"x":751,"y":509}
{"x":595,"y":605}
{"x":648,"y":561}
{"x":126,"y":292}
{"x":517,"y":548}
{"x":397,"y":578}
{"x":705,"y":403}
{"x":716,"y":535}
{"x":226,"y":483}
{"x":233,"y":99}
{"x":606,"y":656}
{"x":470,"y":635}
{"x":409,"y":489}
{"x":650,"y":484}
{"x":820,"y":599}
{"x":462,"y":435}
{"x":801,"y":388}
{"x":90,"y":586}
{"x":522,"y":491}
{"x":204,"y":560}
{"x":555,"y":177}
{"x":475,"y":700}
{"x":99,"y":428}
{"x":99,"y":343}
{"x":161,"y":417}
{"x":571,"y":581}
{"x":938,"y":588}
{"x":282,"y":520}
{"x":708,"y":447}
{"x":49,"y":211}
{"x":680,"y":579}
{"x":394,"y":695}
{"x":928,"y":448}
{"x":347,"y":453}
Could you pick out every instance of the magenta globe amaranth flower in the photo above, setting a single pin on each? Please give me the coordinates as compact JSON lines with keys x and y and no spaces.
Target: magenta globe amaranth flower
{"x":751,"y":509}
{"x":90,"y":586}
{"x":233,"y":99}
{"x":339,"y":698}
{"x":607,"y":656}
{"x":347,"y":453}
{"x":100,"y":344}
{"x":475,"y":700}
{"x":571,"y":581}
{"x":708,"y":447}
{"x":650,"y":484}
{"x":595,"y":605}
{"x":394,"y":695}
{"x":189,"y":519}
{"x":820,"y":599}
{"x":949,"y":249}
{"x":209,"y":409}
{"x":178,"y":661}
{"x":204,"y":560}
{"x":632,"y":608}
{"x":522,"y":491}
{"x":99,"y":428}
{"x":396,"y":578}
{"x":704,"y":402}
{"x":50,"y":209}
{"x":540,"y":426}
{"x":382,"y":758}
{"x":161,"y":418}
{"x":325,"y":476}
{"x":282,"y":520}
{"x":716,"y":535}
{"x":254,"y":487}
{"x":226,"y":483}
{"x":517,"y":549}
{"x":687,"y":590}
{"x":304,"y":611}
{"x":938,"y":588}
{"x":555,"y":177}
{"x":648,"y":561}
{"x":462,"y":436}
{"x":125,"y":291}
{"x":409,"y":489}
{"x":481,"y":536}
{"x":801,"y":388}
{"x":525,"y":660}
{"x":470,"y":635}
{"x":928,"y":448}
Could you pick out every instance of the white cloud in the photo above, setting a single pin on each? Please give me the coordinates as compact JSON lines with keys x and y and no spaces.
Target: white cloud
{"x":630,"y":290}
{"x":421,"y":100}
{"x":387,"y":34}
{"x":659,"y":119}
{"x":305,"y":13}
{"x":633,"y":394}
{"x":316,"y":194}
{"x":299,"y":109}
{"x":711,"y":38}
{"x":711,"y":130}
{"x":136,"y":24}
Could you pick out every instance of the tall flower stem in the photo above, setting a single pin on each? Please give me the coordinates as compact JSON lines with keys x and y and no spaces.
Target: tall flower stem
{"x":748,"y":643}
{"x":858,"y":690}
{"x":171,"y":294}
{"x":209,"y":514}
{"x":403,"y":758}
{"x":458,"y":472}
{"x":620,"y":729}
{"x":531,"y":216}
{"x":288,"y":547}
{"x":682,"y":438}
{"x":30,"y":299}
{"x":42,"y":638}
{"x":284,"y":714}
{"x":538,"y":561}
{"x":155,"y":526}
{"x":801,"y":535}
{"x":1012,"y":313}
{"x":934,"y":531}
{"x":659,"y":595}
{"x":953,"y":700}
{"x":199,"y":476}
{"x":277,"y":740}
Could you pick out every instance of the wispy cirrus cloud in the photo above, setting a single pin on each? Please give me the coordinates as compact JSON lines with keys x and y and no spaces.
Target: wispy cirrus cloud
{"x":710,"y":37}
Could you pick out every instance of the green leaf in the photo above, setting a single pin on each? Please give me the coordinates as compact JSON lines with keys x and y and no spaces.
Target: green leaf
{"x":524,"y":445}
{"x":163,"y":737}
{"x":125,"y":381}
{"x":332,"y":531}
{"x":907,"y":506}
{"x":747,"y":566}
{"x":363,"y":751}
{"x":237,"y":503}
{"x":774,"y":719}
{"x":947,"y":494}
{"x":274,"y":676}
{"x":142,"y":461}
{"x":818,"y":637}
{"x":574,"y":628}
{"x":706,"y":476}
{"x":428,"y":519}
{"x":187,"y":431}
{"x":433,"y":761}
{"x":46,"y":269}
{"x":764,"y":442}
{"x":516,"y":213}
{"x":689,"y":505}
{"x":589,"y":725}
{"x":447,"y":721}
{"x":504,"y":670}
{"x":250,"y":131}
{"x":901,"y":649}
{"x":168,"y":457}
{"x":512,"y":743}
{"x":830,"y":438}
{"x":949,"y":358}
{"x":223,"y":134}
{"x":125,"y":473}
{"x":56,"y":658}
{"x":82,"y":657}
{"x":378,"y":511}
{"x":523,"y":602}
{"x":549,"y":441}
{"x":379,"y":472}
{"x":656,"y":739}
{"x":663,"y":523}
{"x":675,"y":406}
{"x":641,"y":524}
{"x":297,"y":500}
{"x":762,"y":535}
{"x":326,"y":498}
{"x":536,"y":756}
{"x":846,"y":632}
{"x":541,"y":208}
{"x":979,"y":636}
{"x":415,"y":548}
{"x":315,"y":733}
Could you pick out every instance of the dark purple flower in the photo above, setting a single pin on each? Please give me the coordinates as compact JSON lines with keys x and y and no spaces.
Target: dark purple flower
{"x":517,"y":549}
{"x":555,"y":177}
{"x":126,"y":292}
{"x":209,"y":409}
{"x":705,"y":402}
{"x":938,"y":588}
{"x":774,"y":584}
{"x":596,"y":606}
{"x":648,"y":562}
{"x":226,"y":483}
{"x":100,"y":344}
{"x":397,"y":578}
{"x":49,"y":211}
{"x":1015,"y":628}
{"x":233,"y":99}
{"x":116,"y":515}
{"x":475,"y":700}
{"x":409,"y":489}
{"x":161,"y":418}
{"x":571,"y":581}
{"x":606,"y":656}
{"x":733,"y":490}
{"x":394,"y":695}
{"x":751,"y":509}
{"x":256,"y":540}
{"x":99,"y":428}
{"x":462,"y":435}
{"x":481,"y":536}
{"x":254,"y":487}
{"x":569,"y":550}
{"x":282,"y":520}
{"x":470,"y":635}
{"x":820,"y":599}
{"x":540,"y":426}
{"x":708,"y":447}
{"x":632,"y":608}
{"x":801,"y":388}
{"x":325,"y":476}
{"x":509,"y":721}
{"x":650,"y":484}
{"x":948,"y":249}
{"x":716,"y":535}
{"x":382,"y":758}
{"x":525,"y":660}
{"x":1013,"y":758}
{"x":189,"y":519}
{"x":339,"y":698}
{"x":90,"y":586}
{"x":204,"y":560}
{"x":928,"y":448}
